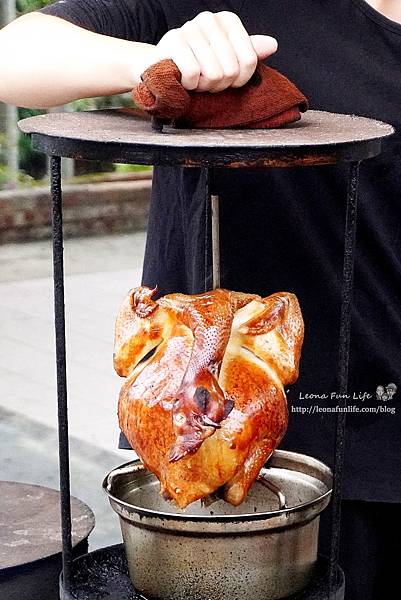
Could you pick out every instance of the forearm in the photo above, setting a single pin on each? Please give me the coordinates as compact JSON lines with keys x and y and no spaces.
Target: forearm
{"x":46,"y":61}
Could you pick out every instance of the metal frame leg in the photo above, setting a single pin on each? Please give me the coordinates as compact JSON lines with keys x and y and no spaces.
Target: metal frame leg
{"x":343,"y":361}
{"x":59,"y":320}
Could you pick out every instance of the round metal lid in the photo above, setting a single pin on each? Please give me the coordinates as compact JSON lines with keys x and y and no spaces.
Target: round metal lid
{"x":119,"y":136}
{"x":30,"y":523}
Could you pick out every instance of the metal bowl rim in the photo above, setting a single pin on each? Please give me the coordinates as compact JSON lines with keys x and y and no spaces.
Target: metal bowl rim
{"x":246,"y":517}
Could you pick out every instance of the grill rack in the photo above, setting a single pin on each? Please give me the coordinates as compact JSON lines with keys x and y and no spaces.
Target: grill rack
{"x":320,"y":138}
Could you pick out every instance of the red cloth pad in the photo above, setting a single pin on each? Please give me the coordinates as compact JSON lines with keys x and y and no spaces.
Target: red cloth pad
{"x":268,"y":100}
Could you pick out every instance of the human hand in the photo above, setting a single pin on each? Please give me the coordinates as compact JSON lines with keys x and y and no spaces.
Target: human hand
{"x":214,"y":51}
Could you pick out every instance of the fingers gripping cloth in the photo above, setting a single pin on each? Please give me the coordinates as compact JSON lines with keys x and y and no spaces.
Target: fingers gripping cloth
{"x":268,"y":100}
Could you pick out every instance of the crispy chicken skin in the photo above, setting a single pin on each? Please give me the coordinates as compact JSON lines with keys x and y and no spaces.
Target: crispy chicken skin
{"x":203,"y":404}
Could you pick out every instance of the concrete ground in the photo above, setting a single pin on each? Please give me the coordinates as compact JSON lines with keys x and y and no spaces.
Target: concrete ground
{"x":99,"y":271}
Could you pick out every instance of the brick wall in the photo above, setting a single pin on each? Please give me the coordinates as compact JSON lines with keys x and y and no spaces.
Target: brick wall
{"x":89,"y":209}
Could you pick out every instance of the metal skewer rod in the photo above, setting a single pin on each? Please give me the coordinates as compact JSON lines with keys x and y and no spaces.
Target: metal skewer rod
{"x":212,"y":230}
{"x":214,"y":199}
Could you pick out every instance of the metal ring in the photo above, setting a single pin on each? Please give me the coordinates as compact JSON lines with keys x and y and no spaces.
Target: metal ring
{"x":263,"y":479}
{"x":127,"y":470}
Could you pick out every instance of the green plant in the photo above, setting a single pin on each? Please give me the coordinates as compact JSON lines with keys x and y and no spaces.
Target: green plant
{"x":28,"y":5}
{"x":6,"y":175}
{"x":30,"y":161}
{"x":124,"y":168}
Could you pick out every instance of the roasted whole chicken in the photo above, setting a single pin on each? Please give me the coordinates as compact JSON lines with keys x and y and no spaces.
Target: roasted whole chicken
{"x":203,"y":404}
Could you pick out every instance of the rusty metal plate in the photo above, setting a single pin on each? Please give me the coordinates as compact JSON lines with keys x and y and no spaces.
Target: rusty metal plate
{"x":119,"y":136}
{"x":30,"y":523}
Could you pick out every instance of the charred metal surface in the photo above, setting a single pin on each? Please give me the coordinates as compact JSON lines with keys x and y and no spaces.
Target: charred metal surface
{"x":343,"y":361}
{"x":103,"y":574}
{"x":62,"y":402}
{"x":38,"y":580}
{"x":319,"y":138}
{"x":314,"y":159}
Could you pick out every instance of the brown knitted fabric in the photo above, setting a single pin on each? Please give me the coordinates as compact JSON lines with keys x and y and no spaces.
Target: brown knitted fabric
{"x":268,"y":100}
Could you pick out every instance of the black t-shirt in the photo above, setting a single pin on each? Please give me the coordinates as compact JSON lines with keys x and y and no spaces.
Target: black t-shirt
{"x":282,"y":229}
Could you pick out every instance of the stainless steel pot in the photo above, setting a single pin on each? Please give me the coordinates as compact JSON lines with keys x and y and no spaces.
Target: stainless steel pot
{"x":264,"y":549}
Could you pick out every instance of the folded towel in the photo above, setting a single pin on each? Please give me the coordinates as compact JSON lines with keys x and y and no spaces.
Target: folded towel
{"x":268,"y":100}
